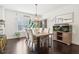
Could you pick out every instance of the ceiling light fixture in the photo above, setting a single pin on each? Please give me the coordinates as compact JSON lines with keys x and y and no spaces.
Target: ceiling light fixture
{"x":36,"y":16}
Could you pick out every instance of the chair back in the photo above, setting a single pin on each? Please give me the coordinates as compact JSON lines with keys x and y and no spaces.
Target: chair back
{"x":46,"y":30}
{"x":30,"y":34}
{"x":26,"y":34}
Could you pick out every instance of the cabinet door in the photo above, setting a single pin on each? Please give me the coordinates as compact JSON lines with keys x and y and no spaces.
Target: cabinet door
{"x":55,"y":35}
{"x":40,"y":24}
{"x":67,"y":37}
{"x":44,"y":23}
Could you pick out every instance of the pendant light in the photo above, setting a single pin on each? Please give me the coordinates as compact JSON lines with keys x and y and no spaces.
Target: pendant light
{"x":36,"y":16}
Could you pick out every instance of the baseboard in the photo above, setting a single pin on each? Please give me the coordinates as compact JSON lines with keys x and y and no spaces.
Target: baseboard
{"x":75,"y":44}
{"x":16,"y":38}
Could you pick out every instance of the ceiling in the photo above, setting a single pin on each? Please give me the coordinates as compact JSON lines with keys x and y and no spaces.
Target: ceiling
{"x":30,"y":8}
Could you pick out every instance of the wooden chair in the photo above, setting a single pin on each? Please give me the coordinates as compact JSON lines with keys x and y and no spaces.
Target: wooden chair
{"x":46,"y":30}
{"x":46,"y":40}
{"x":31,"y":39}
{"x":44,"y":45}
{"x":27,"y":38}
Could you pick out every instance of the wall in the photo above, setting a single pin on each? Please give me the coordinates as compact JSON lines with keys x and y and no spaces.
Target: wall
{"x":10,"y":17}
{"x":1,"y":12}
{"x":75,"y":26}
{"x":66,"y":9}
{"x":10,"y":23}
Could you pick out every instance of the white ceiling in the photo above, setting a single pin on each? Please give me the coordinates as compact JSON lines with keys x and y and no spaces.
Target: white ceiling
{"x":30,"y":8}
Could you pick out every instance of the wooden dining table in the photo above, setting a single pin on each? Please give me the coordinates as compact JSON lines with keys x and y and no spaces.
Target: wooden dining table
{"x":39,"y":35}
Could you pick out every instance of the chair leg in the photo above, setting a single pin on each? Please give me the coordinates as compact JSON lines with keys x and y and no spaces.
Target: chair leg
{"x":40,"y":43}
{"x":32,"y":46}
{"x":28,"y":44}
{"x":48,"y":42}
{"x":51,"y":40}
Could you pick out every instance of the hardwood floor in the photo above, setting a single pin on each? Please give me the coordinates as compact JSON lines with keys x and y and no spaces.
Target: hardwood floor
{"x":18,"y":46}
{"x":61,"y":48}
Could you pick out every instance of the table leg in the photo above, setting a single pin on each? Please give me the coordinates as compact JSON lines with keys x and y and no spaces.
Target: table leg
{"x":38,"y":44}
{"x":51,"y":40}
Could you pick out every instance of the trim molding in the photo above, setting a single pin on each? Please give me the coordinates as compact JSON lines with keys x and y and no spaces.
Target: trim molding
{"x":17,"y":38}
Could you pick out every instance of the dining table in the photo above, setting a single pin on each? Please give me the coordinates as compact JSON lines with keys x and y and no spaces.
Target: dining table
{"x":39,"y":35}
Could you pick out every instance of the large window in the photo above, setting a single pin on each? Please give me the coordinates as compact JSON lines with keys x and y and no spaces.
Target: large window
{"x":23,"y":22}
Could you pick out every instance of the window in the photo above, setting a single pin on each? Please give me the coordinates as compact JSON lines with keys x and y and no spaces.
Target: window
{"x":23,"y":22}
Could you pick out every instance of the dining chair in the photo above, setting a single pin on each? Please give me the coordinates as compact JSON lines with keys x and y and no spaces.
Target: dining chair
{"x":48,"y":39}
{"x":40,"y":30}
{"x":44,"y":44}
{"x":31,"y":40}
{"x":46,"y":30}
{"x":27,"y":37}
{"x":44,"y":39}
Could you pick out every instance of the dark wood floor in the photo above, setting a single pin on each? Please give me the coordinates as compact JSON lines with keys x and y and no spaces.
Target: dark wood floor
{"x":18,"y":46}
{"x":62,"y":48}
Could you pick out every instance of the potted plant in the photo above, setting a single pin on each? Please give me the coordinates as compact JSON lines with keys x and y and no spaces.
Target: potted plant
{"x":17,"y":34}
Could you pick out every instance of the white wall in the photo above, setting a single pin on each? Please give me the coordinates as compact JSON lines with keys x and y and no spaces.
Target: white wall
{"x":10,"y":23}
{"x":10,"y":17}
{"x":1,"y":12}
{"x":75,"y":26}
{"x":66,"y":9}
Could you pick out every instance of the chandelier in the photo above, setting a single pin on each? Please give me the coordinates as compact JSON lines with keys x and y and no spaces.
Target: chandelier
{"x":37,"y":18}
